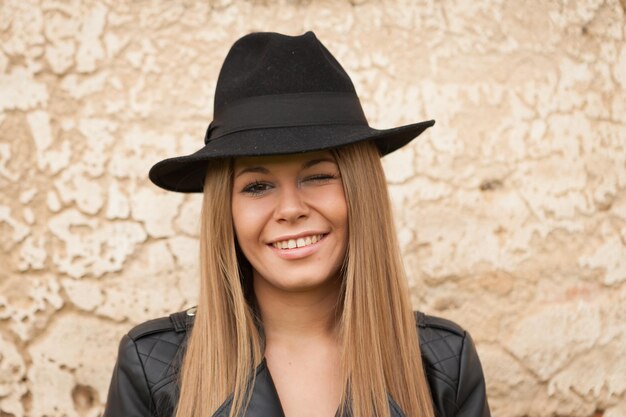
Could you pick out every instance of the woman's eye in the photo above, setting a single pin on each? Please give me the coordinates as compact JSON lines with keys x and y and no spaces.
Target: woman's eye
{"x":321,"y":178}
{"x":255,"y":188}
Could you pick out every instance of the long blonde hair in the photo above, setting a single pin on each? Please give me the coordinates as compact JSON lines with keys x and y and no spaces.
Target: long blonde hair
{"x":380,"y":349}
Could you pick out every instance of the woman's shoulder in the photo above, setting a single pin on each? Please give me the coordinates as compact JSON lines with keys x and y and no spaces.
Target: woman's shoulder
{"x":148,"y":363}
{"x":158,"y":333}
{"x":433,"y":322}
{"x":159,"y":344}
{"x":452,"y":367}
{"x":178,"y":322}
{"x":440,"y":339}
{"x":441,"y":343}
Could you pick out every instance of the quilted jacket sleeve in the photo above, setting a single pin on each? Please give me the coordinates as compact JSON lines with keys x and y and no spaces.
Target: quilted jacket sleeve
{"x":129,"y":395}
{"x":471,"y":396}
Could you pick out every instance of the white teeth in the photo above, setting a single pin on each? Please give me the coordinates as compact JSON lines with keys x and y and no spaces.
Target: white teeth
{"x":300,"y":242}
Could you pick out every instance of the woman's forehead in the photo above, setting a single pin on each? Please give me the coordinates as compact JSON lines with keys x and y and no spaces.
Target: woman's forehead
{"x":299,"y":158}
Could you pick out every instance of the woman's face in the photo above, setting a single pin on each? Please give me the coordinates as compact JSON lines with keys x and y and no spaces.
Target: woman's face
{"x":291,"y":218}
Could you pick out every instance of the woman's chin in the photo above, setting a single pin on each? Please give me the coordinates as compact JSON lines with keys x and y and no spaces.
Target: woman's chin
{"x":298,"y":284}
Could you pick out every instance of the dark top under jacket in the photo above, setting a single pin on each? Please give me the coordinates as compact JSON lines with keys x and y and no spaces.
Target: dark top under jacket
{"x":144,"y":382}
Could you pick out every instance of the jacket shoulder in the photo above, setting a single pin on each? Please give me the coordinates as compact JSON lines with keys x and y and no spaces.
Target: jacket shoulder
{"x":425,"y":320}
{"x":452,"y":367}
{"x":160,"y":344}
{"x":146,"y":368}
{"x":441,"y":343}
{"x":177,"y":322}
{"x":161,"y":324}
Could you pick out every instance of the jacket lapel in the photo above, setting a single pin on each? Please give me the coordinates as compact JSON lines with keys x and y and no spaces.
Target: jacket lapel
{"x":264,"y":401}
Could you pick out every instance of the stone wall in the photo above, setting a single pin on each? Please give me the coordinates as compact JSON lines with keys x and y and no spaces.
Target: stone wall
{"x":511,"y":210}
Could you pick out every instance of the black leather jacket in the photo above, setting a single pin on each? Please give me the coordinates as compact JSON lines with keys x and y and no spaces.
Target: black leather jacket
{"x":144,"y":379}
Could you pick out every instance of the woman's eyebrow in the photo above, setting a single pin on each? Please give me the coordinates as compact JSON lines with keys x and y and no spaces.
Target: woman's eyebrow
{"x":312,"y":162}
{"x":258,"y":169}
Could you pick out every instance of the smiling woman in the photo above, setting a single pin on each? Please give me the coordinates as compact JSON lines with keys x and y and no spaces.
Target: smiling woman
{"x":303,"y":307}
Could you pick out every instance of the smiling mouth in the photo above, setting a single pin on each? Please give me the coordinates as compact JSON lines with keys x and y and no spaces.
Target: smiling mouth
{"x":299,"y":242}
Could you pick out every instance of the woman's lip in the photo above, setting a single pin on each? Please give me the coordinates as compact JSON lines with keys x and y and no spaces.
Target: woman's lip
{"x":297,"y":253}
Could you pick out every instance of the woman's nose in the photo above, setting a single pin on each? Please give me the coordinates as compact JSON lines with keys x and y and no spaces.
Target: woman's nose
{"x":291,"y":205}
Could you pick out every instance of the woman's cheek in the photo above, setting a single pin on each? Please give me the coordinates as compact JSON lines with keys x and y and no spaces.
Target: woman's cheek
{"x":250,"y":217}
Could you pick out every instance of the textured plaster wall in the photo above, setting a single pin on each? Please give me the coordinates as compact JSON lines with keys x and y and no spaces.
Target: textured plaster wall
{"x":511,"y":211}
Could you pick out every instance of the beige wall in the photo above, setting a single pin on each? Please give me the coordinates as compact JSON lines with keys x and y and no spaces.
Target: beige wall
{"x":511,"y":210}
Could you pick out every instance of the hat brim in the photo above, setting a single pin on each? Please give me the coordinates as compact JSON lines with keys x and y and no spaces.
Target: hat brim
{"x":186,"y":174}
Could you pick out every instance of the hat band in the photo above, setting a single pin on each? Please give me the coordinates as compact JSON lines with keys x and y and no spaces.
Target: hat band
{"x":286,"y":110}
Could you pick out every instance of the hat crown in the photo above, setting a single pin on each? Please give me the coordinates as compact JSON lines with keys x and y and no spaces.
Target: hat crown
{"x":278,"y":94}
{"x":267,"y":63}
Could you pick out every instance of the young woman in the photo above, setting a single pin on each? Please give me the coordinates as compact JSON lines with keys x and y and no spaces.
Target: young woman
{"x":303,"y":307}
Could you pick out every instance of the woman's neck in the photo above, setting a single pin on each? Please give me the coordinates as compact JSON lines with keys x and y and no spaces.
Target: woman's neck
{"x":298,"y":317}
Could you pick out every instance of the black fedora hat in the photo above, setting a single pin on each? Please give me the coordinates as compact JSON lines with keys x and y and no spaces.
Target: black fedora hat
{"x":279,"y":94}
